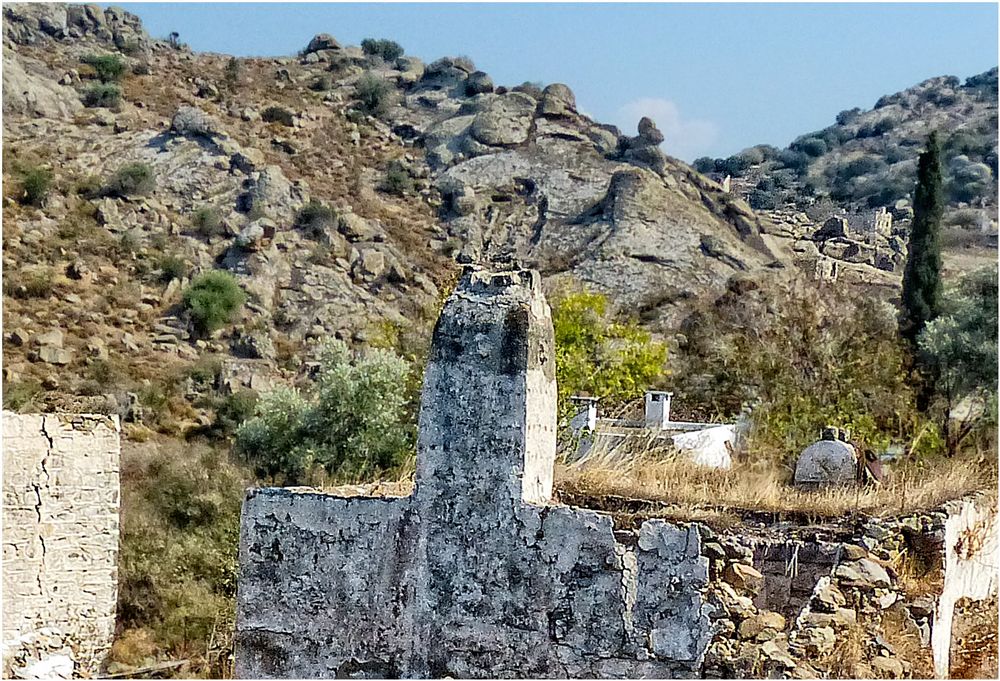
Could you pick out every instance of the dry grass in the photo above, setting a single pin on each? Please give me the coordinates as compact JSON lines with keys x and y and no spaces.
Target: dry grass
{"x":766,"y":488}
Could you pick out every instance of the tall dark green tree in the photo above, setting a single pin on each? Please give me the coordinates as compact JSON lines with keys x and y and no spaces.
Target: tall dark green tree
{"x":922,"y":277}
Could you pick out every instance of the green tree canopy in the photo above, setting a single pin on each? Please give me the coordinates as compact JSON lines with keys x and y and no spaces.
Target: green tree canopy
{"x":352,"y":423}
{"x":598,"y":355}
{"x":922,"y":275}
{"x":960,"y":348}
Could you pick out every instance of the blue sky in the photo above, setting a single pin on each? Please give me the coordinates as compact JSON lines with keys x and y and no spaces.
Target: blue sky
{"x":715,"y":77}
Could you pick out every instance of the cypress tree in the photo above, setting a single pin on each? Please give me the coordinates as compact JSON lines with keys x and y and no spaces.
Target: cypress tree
{"x":922,"y":276}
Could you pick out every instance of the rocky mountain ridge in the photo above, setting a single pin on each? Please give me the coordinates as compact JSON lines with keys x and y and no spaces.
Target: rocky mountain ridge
{"x":340,"y":187}
{"x":239,"y":148}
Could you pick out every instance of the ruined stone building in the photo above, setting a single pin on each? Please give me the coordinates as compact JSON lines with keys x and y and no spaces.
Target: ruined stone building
{"x":480,"y":573}
{"x":60,"y":542}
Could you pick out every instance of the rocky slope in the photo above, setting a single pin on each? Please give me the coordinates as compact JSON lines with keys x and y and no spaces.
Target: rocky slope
{"x":450,"y":169}
{"x":867,"y":158}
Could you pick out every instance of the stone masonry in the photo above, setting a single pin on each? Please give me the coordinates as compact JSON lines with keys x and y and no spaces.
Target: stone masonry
{"x":60,"y":534}
{"x":476,"y":574}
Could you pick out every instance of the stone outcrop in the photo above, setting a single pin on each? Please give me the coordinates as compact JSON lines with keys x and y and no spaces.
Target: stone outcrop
{"x":477,"y":573}
{"x":60,"y":536}
{"x":32,"y":91}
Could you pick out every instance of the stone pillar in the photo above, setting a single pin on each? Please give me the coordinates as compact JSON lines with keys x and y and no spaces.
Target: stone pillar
{"x":488,"y":406}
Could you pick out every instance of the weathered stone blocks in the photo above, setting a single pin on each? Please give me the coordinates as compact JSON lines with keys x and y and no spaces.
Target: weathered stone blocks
{"x":476,"y":574}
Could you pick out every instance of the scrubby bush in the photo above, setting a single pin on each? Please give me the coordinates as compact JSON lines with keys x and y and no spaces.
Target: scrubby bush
{"x":207,"y":222}
{"x":105,"y":95}
{"x":373,"y":94}
{"x":397,"y":180}
{"x":349,"y":426}
{"x":35,"y":183}
{"x":213,"y":299}
{"x":323,"y":83}
{"x":802,"y":358}
{"x":532,"y":88}
{"x":760,"y":199}
{"x":600,"y":355}
{"x":863,"y":165}
{"x":314,"y":217}
{"x":811,"y":146}
{"x":705,"y":164}
{"x":172,"y":267}
{"x":134,"y":179}
{"x":796,"y":161}
{"x":278,"y":114}
{"x":109,"y":68}
{"x":388,"y":50}
{"x":960,"y":348}
{"x":232,"y":74}
{"x":969,"y":180}
{"x":848,"y":116}
{"x":36,"y":282}
{"x":178,"y":559}
{"x":21,"y":395}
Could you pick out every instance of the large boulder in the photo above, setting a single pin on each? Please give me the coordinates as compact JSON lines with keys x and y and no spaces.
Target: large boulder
{"x":478,"y":82}
{"x":649,"y":134}
{"x":270,"y":190}
{"x":31,"y":92}
{"x":557,"y":100}
{"x":825,"y":463}
{"x":191,"y":121}
{"x":506,"y":120}
{"x":645,"y":149}
{"x":447,"y":72}
{"x":322,"y":41}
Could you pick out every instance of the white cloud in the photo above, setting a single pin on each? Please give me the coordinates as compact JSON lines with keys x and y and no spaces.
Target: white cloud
{"x":686,"y":139}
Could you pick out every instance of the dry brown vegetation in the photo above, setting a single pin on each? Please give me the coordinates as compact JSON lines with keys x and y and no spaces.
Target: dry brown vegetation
{"x":764,"y":487}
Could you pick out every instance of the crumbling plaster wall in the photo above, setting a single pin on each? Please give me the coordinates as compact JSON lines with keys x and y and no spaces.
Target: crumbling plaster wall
{"x":475,"y":574}
{"x":971,"y":560}
{"x":60,"y":530}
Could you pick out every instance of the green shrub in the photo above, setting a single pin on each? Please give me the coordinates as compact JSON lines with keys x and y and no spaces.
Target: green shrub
{"x":278,"y":114}
{"x":30,"y":283}
{"x":232,"y":73}
{"x":388,"y":50}
{"x":213,"y":300}
{"x":397,"y":180}
{"x":179,"y":537}
{"x":106,"y":95}
{"x":172,"y":267}
{"x":35,"y":184}
{"x":374,"y":95}
{"x":323,"y":83}
{"x":109,"y":67}
{"x":134,"y":179}
{"x":532,"y":88}
{"x":960,"y":348}
{"x":350,"y":426}
{"x":848,"y":116}
{"x":21,"y":395}
{"x":803,"y":358}
{"x":596,"y":354}
{"x":811,"y":146}
{"x":207,"y":222}
{"x":314,"y":217}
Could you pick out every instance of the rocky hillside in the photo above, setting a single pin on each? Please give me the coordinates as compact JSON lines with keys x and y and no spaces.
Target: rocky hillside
{"x":867,"y":159}
{"x":339,"y":187}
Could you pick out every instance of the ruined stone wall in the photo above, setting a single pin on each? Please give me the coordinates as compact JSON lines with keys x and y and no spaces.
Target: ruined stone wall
{"x":971,"y":561}
{"x":60,"y":532}
{"x":475,"y":574}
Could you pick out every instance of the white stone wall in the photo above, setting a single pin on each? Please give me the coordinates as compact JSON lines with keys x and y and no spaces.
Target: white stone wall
{"x":60,"y":530}
{"x":971,"y":562}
